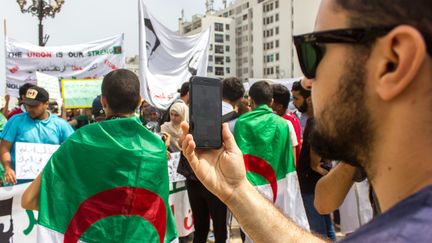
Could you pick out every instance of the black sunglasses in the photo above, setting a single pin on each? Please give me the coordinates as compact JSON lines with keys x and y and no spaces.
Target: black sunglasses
{"x":310,"y":52}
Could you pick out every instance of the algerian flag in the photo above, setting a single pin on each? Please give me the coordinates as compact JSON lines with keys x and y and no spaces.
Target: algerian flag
{"x":264,"y":139}
{"x":107,"y":183}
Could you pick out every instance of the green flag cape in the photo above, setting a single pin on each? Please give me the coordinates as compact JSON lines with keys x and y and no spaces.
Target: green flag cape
{"x":107,"y":183}
{"x":264,"y":139}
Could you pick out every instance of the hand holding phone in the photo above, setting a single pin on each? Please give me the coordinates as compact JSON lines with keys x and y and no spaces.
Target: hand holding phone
{"x":205,"y":111}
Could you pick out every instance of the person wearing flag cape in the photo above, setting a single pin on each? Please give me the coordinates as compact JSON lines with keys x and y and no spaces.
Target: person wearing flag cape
{"x":265,"y":141}
{"x":109,"y":181}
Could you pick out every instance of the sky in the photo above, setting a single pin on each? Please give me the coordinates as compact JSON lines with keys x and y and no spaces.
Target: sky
{"x":81,"y":21}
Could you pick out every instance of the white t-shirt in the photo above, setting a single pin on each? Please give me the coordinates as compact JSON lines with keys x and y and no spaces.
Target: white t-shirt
{"x":292,"y":134}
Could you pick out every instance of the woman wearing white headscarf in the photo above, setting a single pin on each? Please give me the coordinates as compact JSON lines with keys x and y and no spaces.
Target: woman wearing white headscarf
{"x":177,"y":115}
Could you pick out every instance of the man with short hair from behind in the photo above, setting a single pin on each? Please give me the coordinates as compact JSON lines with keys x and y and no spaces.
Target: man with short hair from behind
{"x":281,"y":99}
{"x":115,"y":170}
{"x":265,"y":140}
{"x":232,"y":92}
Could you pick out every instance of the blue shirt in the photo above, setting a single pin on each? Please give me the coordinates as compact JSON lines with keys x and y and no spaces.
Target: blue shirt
{"x":22,"y":128}
{"x":408,"y":221}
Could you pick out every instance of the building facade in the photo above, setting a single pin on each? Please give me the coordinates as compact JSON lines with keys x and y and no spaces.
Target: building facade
{"x":260,"y":36}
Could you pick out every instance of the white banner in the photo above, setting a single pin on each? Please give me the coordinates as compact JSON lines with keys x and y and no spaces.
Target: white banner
{"x":90,"y":60}
{"x":16,"y":223}
{"x":31,"y":158}
{"x":167,"y":59}
{"x":179,"y":203}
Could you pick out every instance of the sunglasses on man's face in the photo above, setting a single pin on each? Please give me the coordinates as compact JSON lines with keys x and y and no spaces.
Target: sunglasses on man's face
{"x":310,"y":49}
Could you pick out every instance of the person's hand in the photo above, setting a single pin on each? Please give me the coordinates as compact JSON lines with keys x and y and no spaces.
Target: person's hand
{"x":222,"y":170}
{"x":9,"y":176}
{"x":7,"y":98}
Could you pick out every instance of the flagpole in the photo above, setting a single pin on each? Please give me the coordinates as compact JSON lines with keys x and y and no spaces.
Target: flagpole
{"x":4,"y":42}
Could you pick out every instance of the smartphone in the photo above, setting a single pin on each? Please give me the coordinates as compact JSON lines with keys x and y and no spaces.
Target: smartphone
{"x":205,"y":111}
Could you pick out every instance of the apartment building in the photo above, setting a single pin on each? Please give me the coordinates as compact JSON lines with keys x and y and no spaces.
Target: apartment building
{"x":262,"y":33}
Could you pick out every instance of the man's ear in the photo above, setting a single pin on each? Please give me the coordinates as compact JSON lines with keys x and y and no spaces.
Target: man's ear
{"x":104,"y":102}
{"x":401,"y":54}
{"x":139,"y":102}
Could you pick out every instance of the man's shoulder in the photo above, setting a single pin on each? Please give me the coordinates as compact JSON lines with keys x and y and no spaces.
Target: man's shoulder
{"x":408,"y":221}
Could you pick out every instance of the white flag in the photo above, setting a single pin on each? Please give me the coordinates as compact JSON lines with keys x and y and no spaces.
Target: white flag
{"x":167,"y":59}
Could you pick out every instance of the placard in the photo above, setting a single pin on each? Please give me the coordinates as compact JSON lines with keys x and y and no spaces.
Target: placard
{"x":80,"y":93}
{"x":31,"y":158}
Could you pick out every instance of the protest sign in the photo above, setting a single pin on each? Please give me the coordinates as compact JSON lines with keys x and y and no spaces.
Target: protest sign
{"x":172,"y":168}
{"x":83,"y":61}
{"x":80,"y":93}
{"x":50,"y":83}
{"x":31,"y":158}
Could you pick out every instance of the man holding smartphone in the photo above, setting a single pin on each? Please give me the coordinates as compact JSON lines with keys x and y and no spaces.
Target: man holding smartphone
{"x":371,"y":64}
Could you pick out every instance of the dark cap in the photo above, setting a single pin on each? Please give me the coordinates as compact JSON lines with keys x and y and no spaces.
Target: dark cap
{"x":36,"y":95}
{"x":97,"y":109}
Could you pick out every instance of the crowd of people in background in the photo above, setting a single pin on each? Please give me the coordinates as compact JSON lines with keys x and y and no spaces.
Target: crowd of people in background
{"x":236,"y":102}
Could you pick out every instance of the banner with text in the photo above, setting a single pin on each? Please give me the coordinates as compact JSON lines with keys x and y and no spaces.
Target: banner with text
{"x":167,"y":59}
{"x":80,"y":93}
{"x":19,"y":225}
{"x":83,"y":61}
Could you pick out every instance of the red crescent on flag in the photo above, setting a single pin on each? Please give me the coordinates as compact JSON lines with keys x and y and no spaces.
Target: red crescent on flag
{"x":263,"y":168}
{"x":126,"y":201}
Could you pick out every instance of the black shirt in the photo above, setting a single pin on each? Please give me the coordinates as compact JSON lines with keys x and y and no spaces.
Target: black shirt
{"x":308,"y":178}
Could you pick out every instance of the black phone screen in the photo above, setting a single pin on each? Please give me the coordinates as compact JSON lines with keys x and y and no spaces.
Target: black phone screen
{"x":206,"y":112}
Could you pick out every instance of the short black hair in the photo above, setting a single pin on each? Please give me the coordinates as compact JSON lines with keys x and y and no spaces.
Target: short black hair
{"x":261,"y":93}
{"x":184,"y":89}
{"x":23,"y":89}
{"x":303,"y":92}
{"x":121,"y":88}
{"x":281,"y":95}
{"x":232,"y":89}
{"x":367,"y":13}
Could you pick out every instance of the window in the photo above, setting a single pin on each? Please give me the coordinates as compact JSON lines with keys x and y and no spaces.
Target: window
{"x":264,"y":47}
{"x":277,"y":4}
{"x":277,"y":56}
{"x":277,"y":30}
{"x":210,"y":69}
{"x":219,"y":38}
{"x":228,"y":59}
{"x":225,"y":14}
{"x":228,"y":70}
{"x":227,"y":27}
{"x":219,"y":27}
{"x":227,"y":38}
{"x":219,"y":60}
{"x":264,"y":33}
{"x":227,"y":48}
{"x":260,"y":1}
{"x":230,"y":12}
{"x":219,"y":71}
{"x":211,"y":47}
{"x":277,"y":43}
{"x":219,"y":49}
{"x":245,"y":17}
{"x":210,"y":58}
{"x":277,"y":17}
{"x":264,"y":21}
{"x":245,"y":70}
{"x":271,"y":45}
